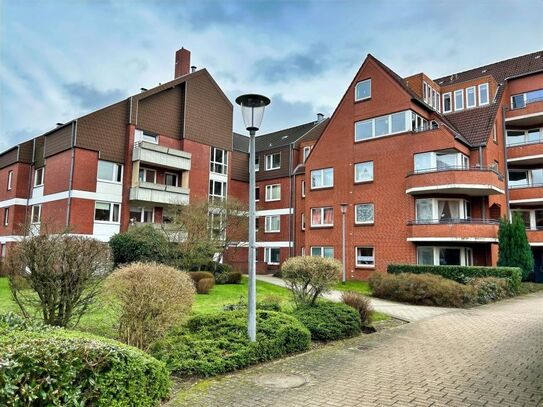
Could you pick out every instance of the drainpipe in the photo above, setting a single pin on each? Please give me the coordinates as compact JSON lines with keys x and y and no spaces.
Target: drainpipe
{"x":290,"y":205}
{"x":29,"y":190}
{"x":71,"y":180}
{"x":483,"y":211}
{"x":506,"y":165}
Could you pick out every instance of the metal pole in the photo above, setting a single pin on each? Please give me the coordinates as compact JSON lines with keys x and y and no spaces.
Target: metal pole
{"x":251,"y":323}
{"x":343,"y":245}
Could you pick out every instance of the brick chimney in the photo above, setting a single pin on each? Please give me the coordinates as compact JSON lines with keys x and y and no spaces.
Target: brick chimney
{"x":182,"y":62}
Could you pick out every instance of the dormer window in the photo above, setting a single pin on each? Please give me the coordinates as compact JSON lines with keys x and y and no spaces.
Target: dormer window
{"x":483,"y":94}
{"x":447,"y":102}
{"x":459,"y":99}
{"x":363,"y":90}
{"x":470,"y":97}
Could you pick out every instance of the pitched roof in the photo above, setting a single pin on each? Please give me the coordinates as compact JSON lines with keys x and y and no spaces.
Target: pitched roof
{"x":240,"y":142}
{"x":475,"y":124}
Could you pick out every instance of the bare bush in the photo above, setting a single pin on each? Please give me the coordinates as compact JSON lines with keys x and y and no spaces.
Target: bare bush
{"x":57,"y":275}
{"x":150,"y":298}
{"x":360,"y":303}
{"x":308,"y":277}
{"x":205,"y":285}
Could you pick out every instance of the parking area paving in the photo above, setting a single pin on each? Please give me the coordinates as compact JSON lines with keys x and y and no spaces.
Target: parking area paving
{"x":485,"y":356}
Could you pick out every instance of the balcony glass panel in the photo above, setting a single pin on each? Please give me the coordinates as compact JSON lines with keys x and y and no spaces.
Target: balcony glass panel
{"x":518,"y":178}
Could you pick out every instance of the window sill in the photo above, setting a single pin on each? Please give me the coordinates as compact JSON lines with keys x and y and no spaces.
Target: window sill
{"x":322,"y":226}
{"x":107,"y":222}
{"x":364,"y":223}
{"x":272,"y":200}
{"x":107,"y":181}
{"x":363,"y":182}
{"x":362,"y":100}
{"x":358,"y":266}
{"x":272,"y":169}
{"x":272,"y":231}
{"x":384,"y":135}
{"x":321,"y":188}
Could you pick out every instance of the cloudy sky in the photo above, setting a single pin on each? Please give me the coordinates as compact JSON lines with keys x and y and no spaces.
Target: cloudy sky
{"x":60,"y":59}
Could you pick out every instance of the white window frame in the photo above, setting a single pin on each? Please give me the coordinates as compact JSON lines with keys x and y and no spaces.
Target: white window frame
{"x":358,"y":265}
{"x":173,"y":174}
{"x":462,"y":161}
{"x":458,"y":92}
{"x":36,"y":184}
{"x":111,"y":212}
{"x":269,"y":192}
{"x":407,"y":126}
{"x":321,"y":249}
{"x":302,"y":186}
{"x":267,"y":255}
{"x":145,"y":171}
{"x":486,"y":88}
{"x":306,"y":151}
{"x":6,"y":216}
{"x":257,"y":196}
{"x":269,"y":161}
{"x":141,"y":210}
{"x":117,"y":170}
{"x":214,"y":163}
{"x":466,"y":254}
{"x":449,"y":95}
{"x":224,"y":189}
{"x":356,"y":99}
{"x":462,"y":211}
{"x":10,"y":179}
{"x":140,"y":135}
{"x":322,"y":224}
{"x":322,"y":170}
{"x":2,"y":250}
{"x":32,"y":213}
{"x":370,"y":222}
{"x":468,"y":105}
{"x":357,"y":165}
{"x":302,"y":221}
{"x":257,"y":162}
{"x":268,"y":224}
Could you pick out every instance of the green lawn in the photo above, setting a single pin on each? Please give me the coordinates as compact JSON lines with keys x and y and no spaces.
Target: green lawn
{"x":358,"y":286}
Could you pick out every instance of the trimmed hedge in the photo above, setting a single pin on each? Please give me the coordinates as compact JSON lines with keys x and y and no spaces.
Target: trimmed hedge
{"x":52,"y":366}
{"x":462,"y":274}
{"x":328,"y":321}
{"x":230,"y":277}
{"x":217,"y":343}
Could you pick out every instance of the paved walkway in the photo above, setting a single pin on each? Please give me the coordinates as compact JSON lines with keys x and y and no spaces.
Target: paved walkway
{"x":485,"y":356}
{"x":405,"y":312}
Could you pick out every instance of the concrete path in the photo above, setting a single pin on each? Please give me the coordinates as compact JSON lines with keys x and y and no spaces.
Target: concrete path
{"x":485,"y":356}
{"x":405,"y":312}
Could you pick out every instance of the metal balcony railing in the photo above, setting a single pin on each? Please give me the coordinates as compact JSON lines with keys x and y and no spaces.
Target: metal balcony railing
{"x":456,"y":168}
{"x":528,"y":102}
{"x":454,"y":221}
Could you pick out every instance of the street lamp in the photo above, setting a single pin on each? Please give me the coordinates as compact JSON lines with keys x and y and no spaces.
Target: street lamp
{"x":252,"y":110}
{"x":343,"y":212}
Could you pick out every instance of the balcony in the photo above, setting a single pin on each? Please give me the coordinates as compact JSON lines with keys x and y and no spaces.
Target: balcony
{"x":160,"y":156}
{"x":474,"y":181}
{"x":453,"y":230}
{"x":531,"y":114}
{"x":528,"y":152}
{"x":526,"y":194}
{"x":159,"y":193}
{"x":171,"y":230}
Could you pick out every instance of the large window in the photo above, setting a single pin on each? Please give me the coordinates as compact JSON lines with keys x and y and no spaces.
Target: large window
{"x":217,"y":190}
{"x":445,"y":256}
{"x":322,"y":217}
{"x":147,"y":175}
{"x":364,"y":214}
{"x":323,"y":178}
{"x":363,"y":172}
{"x":109,"y":171}
{"x":219,"y":161}
{"x":171,"y":179}
{"x":533,"y":218}
{"x":10,"y":180}
{"x":440,"y":161}
{"x":35,"y":215}
{"x":363,"y":90}
{"x":273,"y":161}
{"x":322,"y":251}
{"x":272,"y":224}
{"x":526,"y":178}
{"x":142,"y":214}
{"x":382,"y":126}
{"x":447,"y":102}
{"x":519,"y":137}
{"x":106,"y":212}
{"x":471,"y":99}
{"x":459,"y":99}
{"x":365,"y":257}
{"x":272,"y":255}
{"x":38,"y":176}
{"x":433,"y":210}
{"x":521,"y":100}
{"x":484,"y":98}
{"x":273,"y":192}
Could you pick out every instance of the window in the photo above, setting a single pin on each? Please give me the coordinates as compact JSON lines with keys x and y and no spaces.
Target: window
{"x":307,"y":150}
{"x":38,"y":176}
{"x":106,"y":212}
{"x":322,"y":251}
{"x":520,"y":101}
{"x":426,"y":91}
{"x":525,"y":178}
{"x":302,"y":217}
{"x":147,"y":175}
{"x":441,"y":210}
{"x":459,"y":99}
{"x":219,"y":161}
{"x":494,"y":134}
{"x":141,"y":135}
{"x":418,"y":123}
{"x":322,"y":217}
{"x":322,"y":178}
{"x":3,"y":250}
{"x":363,"y":214}
{"x":445,"y":256}
{"x":272,"y":224}
{"x":6,"y":216}
{"x":440,"y":161}
{"x":35,"y":216}
{"x":470,"y":97}
{"x":363,"y":172}
{"x":363,"y":90}
{"x":382,"y":126}
{"x":365,"y":257}
{"x":273,"y":161}
{"x":303,"y":189}
{"x":257,"y":162}
{"x":483,"y":94}
{"x":533,"y":218}
{"x":10,"y":180}
{"x":142,"y":215}
{"x":217,"y":190}
{"x":272,"y":255}
{"x":108,"y":171}
{"x":257,"y":194}
{"x":171,"y":179}
{"x":518,"y":137}
{"x":273,"y":192}
{"x":257,"y":224}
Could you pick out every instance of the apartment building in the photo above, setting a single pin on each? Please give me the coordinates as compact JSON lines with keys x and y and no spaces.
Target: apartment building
{"x":125,"y":164}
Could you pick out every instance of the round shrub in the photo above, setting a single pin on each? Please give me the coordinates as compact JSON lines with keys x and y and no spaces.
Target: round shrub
{"x":199,"y":275}
{"x":150,"y":298}
{"x":205,"y":285}
{"x":53,"y":366}
{"x":328,"y":321}
{"x":231,"y":277}
{"x":212,"y":344}
{"x":490,"y":289}
{"x":360,"y":303}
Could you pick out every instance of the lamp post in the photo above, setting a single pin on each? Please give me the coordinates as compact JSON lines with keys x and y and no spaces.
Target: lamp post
{"x":252,"y":110}
{"x":343,"y":212}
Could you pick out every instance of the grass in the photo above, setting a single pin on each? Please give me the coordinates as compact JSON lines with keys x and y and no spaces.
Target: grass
{"x":361,"y":287}
{"x":528,"y":288}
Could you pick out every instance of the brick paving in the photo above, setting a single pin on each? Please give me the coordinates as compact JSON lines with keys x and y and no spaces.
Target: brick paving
{"x":486,"y":356}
